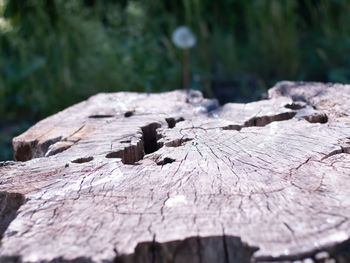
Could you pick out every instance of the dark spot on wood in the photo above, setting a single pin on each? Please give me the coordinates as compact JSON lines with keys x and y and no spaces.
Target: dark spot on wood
{"x":130,"y":154}
{"x":165,"y":161}
{"x":9,"y":205}
{"x":261,"y":121}
{"x":126,"y":141}
{"x":83,"y":160}
{"x":317,"y":118}
{"x":100,"y":116}
{"x":172,"y":121}
{"x":129,"y":113}
{"x":264,"y":120}
{"x":24,"y":151}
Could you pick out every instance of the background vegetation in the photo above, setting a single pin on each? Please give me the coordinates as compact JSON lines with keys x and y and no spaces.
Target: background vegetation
{"x":54,"y":53}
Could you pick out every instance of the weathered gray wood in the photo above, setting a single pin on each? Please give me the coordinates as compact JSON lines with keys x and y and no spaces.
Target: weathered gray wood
{"x":158,"y":178}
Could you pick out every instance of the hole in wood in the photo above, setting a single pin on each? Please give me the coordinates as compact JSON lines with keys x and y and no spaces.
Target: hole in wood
{"x":58,"y":148}
{"x":165,"y":161}
{"x":148,"y":144}
{"x":83,"y":160}
{"x":150,"y":138}
{"x":9,"y":205}
{"x":129,"y":113}
{"x":317,"y":118}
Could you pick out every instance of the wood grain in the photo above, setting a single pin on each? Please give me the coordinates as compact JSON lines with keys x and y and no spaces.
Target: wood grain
{"x":173,"y":177}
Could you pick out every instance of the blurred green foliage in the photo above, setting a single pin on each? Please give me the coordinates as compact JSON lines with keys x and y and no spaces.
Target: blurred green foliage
{"x":54,"y":53}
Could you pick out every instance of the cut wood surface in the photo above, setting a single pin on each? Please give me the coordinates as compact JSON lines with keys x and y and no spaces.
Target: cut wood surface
{"x":173,"y":177}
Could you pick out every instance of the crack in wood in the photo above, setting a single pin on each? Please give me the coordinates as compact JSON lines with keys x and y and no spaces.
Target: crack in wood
{"x":147,"y":144}
{"x":342,"y":149}
{"x":101,"y":116}
{"x":260,"y":121}
{"x":44,"y":147}
{"x":9,"y":205}
{"x":129,"y":113}
{"x":150,"y":137}
{"x":59,"y":147}
{"x":83,"y":160}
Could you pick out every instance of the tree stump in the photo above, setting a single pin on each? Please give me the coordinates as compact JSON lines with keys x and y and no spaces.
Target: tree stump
{"x":173,"y":177}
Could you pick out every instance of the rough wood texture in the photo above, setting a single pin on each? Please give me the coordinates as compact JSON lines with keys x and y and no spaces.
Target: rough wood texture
{"x":129,"y":177}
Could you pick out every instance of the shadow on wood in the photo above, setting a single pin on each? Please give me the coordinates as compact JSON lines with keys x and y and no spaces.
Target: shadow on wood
{"x":218,"y":249}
